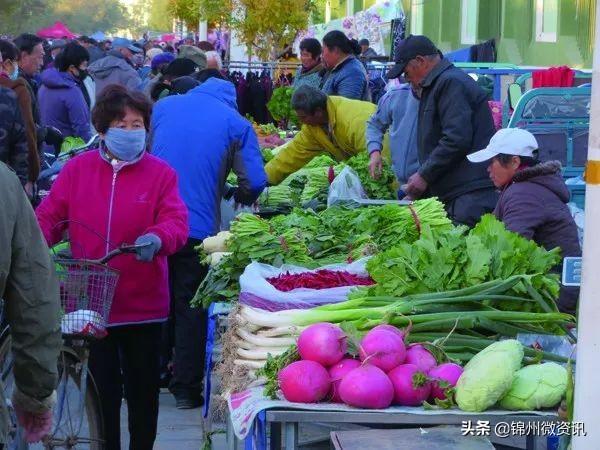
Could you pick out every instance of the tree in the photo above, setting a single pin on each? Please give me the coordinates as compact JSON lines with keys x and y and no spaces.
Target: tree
{"x":160,"y":17}
{"x":81,"y":16}
{"x":266,"y":26}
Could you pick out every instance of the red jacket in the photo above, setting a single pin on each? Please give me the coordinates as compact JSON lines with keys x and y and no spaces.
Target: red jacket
{"x":120,"y":204}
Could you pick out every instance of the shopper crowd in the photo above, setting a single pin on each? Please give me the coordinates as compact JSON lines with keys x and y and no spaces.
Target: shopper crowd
{"x":169,"y":134}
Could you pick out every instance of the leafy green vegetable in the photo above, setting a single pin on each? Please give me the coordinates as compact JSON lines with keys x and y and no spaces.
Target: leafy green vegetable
{"x":383,"y":187}
{"x":535,"y":387}
{"x":488,"y":376}
{"x":70,"y":143}
{"x":280,"y":106}
{"x":444,"y":259}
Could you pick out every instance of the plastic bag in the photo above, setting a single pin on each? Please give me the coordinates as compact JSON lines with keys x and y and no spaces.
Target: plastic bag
{"x":229,"y":212}
{"x":559,"y":345}
{"x":256,"y":291}
{"x":84,"y":322}
{"x":346,"y":186}
{"x":579,"y":217}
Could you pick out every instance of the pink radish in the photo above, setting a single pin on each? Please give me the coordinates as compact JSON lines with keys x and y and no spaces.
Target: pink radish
{"x":367,"y":387}
{"x":304,"y":382}
{"x":392,"y":328}
{"x":421,"y":357}
{"x":411,"y":387}
{"x":324,"y":343}
{"x":443,"y":377}
{"x":382,"y":348}
{"x":337,"y":374}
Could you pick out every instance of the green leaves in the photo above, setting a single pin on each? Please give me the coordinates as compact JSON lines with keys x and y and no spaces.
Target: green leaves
{"x":381,"y":188}
{"x":280,"y":106}
{"x":446,"y":259}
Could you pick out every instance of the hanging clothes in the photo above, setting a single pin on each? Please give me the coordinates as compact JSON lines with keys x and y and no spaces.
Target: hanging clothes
{"x":553,"y":77}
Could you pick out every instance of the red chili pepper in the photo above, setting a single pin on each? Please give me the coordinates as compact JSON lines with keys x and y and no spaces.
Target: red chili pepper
{"x":320,"y":279}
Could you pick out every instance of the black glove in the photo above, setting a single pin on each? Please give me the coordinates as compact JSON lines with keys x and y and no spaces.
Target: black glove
{"x":55,"y":138}
{"x":229,"y":191}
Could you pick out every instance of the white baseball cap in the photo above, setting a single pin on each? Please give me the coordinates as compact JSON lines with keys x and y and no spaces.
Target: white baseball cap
{"x":507,"y":141}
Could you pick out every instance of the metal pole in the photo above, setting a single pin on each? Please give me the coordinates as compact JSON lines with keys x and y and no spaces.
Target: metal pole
{"x":587,"y":394}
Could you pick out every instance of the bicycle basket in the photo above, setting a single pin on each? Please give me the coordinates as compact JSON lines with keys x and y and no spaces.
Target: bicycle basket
{"x":86,"y":294}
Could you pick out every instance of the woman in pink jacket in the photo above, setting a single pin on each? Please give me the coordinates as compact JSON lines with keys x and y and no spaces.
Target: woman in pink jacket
{"x":120,"y":194}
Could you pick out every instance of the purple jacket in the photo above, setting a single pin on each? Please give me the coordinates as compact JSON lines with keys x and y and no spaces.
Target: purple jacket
{"x":534,"y":206}
{"x":62,"y":104}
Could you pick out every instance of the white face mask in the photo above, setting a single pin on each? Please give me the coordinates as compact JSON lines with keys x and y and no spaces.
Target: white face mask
{"x":15,"y":74}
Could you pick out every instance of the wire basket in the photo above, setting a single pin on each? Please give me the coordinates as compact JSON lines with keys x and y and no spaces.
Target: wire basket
{"x":86,"y":294}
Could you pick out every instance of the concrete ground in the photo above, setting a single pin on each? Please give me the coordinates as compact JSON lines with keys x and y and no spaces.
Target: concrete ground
{"x":177,"y":429}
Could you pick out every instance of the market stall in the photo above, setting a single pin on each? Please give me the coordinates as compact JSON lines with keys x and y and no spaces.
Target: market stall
{"x":357,"y":312}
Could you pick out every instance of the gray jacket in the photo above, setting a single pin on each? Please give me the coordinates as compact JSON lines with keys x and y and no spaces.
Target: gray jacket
{"x":30,"y":290}
{"x":397,"y":112}
{"x":114,"y":69}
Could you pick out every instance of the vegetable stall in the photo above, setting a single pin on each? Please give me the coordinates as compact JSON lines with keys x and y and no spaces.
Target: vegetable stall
{"x":380,"y":307}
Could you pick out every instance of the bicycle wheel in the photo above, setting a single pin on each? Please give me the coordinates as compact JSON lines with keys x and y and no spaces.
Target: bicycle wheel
{"x":71,"y":429}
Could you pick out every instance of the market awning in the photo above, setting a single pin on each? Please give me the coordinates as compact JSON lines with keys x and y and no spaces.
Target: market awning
{"x":57,"y":31}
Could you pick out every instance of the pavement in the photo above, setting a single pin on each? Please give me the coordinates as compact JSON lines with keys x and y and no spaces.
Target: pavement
{"x":177,"y":429}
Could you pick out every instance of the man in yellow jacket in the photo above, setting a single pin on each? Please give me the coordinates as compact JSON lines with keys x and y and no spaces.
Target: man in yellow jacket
{"x":333,"y":125}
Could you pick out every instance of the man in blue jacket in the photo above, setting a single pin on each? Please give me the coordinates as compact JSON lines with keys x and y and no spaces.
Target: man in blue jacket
{"x":397,"y":112}
{"x":203,"y":137}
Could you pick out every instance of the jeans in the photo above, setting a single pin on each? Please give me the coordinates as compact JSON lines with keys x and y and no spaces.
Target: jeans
{"x":127,"y":361}
{"x":188,"y":325}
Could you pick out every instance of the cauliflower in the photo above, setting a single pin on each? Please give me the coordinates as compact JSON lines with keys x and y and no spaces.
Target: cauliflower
{"x":535,"y":387}
{"x":489,"y":375}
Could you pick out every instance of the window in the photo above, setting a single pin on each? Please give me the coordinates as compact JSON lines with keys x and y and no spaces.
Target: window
{"x":468,"y":21}
{"x":546,"y":20}
{"x":416,"y":17}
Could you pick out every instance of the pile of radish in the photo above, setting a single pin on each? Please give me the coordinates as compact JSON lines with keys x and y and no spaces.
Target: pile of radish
{"x":388,"y":371}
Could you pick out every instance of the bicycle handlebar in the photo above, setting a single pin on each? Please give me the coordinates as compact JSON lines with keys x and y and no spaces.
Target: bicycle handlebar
{"x":122,"y":250}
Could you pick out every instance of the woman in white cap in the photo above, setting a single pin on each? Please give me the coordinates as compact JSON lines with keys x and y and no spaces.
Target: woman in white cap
{"x":533,"y":197}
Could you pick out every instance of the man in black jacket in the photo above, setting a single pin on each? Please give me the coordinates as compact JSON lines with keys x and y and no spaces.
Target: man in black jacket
{"x":454,"y":120}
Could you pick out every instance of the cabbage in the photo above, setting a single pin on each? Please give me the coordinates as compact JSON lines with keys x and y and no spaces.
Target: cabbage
{"x":489,"y":375}
{"x":535,"y":387}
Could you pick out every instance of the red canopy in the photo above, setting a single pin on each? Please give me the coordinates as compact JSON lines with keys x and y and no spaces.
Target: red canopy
{"x":57,"y":31}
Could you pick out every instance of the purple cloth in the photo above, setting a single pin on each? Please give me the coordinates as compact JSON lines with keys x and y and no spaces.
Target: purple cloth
{"x":62,"y":104}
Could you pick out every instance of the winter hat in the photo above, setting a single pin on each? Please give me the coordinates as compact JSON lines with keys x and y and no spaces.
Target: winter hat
{"x":193,"y":53}
{"x":181,"y":67}
{"x":163,"y":58}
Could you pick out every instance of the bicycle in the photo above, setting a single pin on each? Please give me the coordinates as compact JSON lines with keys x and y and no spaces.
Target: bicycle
{"x":87,"y":289}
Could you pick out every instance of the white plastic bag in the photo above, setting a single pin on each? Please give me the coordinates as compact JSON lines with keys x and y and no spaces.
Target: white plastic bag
{"x":258,"y":292}
{"x":84,"y":322}
{"x":579,"y":217}
{"x":346,"y":186}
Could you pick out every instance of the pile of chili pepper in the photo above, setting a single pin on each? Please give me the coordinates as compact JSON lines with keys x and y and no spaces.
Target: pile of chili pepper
{"x":320,"y":279}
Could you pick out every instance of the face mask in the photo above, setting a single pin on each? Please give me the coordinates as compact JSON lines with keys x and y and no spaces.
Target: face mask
{"x":126,"y":145}
{"x":13,"y":76}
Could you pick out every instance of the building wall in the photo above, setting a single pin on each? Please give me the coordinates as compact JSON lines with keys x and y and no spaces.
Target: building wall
{"x":514,"y":23}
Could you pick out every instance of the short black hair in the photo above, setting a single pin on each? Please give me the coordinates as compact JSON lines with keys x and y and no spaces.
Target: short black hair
{"x":527,"y":161}
{"x":113,"y":101}
{"x":337,"y":39}
{"x":364,"y":41}
{"x":72,"y":55}
{"x":308,"y":99}
{"x":8,"y":50}
{"x":26,"y":42}
{"x":312,"y":46}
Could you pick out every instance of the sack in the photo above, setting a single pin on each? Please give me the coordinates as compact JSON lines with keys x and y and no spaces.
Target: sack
{"x":346,"y":186}
{"x":256,"y":291}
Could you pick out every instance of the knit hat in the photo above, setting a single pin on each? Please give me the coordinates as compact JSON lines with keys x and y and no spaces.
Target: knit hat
{"x":181,"y":67}
{"x":163,"y":58}
{"x":193,"y":53}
